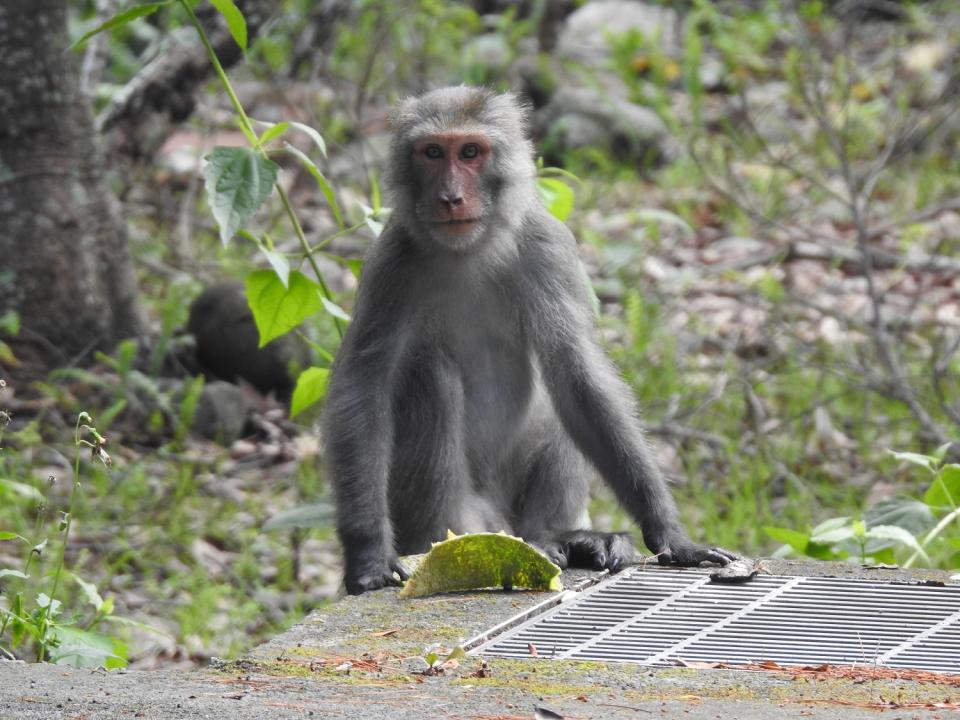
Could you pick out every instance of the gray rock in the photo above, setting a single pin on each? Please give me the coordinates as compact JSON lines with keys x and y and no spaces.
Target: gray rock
{"x":488,"y":55}
{"x":222,"y":412}
{"x":584,"y":117}
{"x":585,"y":38}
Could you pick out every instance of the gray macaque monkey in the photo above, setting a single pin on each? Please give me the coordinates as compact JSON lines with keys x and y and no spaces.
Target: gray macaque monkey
{"x":470,"y":393}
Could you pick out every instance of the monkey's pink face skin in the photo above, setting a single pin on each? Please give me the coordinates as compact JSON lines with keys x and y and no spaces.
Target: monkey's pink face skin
{"x":450,"y":166}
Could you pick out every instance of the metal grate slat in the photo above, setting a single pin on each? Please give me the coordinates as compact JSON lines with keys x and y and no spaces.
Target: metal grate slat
{"x":659,"y":616}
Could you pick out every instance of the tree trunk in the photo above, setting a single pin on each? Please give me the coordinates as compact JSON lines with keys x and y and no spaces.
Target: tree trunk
{"x":65,"y":265}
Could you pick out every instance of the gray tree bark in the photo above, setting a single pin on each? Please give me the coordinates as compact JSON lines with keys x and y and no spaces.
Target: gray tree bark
{"x":65,"y":264}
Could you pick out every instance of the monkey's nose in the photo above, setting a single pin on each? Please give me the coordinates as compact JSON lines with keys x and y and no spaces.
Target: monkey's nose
{"x":451,"y":200}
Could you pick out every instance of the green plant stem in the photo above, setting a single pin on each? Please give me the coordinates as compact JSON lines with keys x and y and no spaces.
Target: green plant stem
{"x":245,"y":123}
{"x":251,"y":134}
{"x":73,"y":495}
{"x":933,"y":534}
{"x":340,"y":233}
{"x":305,"y":246}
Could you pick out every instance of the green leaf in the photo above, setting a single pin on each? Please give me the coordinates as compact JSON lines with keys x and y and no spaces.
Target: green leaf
{"x":796,"y":540}
{"x":375,"y":193}
{"x":926,"y":461}
{"x":121,"y":19}
{"x":557,"y":196}
{"x":274,"y":131}
{"x":832,"y":537}
{"x":354,"y":265}
{"x":830,"y":524}
{"x":311,"y":388}
{"x":313,"y":135}
{"x":6,"y":353}
{"x":376,"y":227}
{"x":278,"y":261}
{"x":52,"y":605}
{"x":482,"y":560}
{"x":940,"y":453}
{"x":12,"y":536}
{"x":8,"y":572}
{"x":944,"y":491}
{"x":235,"y":20}
{"x":898,"y":535}
{"x":305,"y":517}
{"x":83,"y":648}
{"x":907,"y":513}
{"x":89,"y":591}
{"x":238,"y":181}
{"x":331,"y":307}
{"x":325,"y":187}
{"x":823,"y":551}
{"x":278,"y":309}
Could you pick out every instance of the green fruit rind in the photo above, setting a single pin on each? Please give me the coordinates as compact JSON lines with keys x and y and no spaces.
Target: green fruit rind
{"x":480,"y":561}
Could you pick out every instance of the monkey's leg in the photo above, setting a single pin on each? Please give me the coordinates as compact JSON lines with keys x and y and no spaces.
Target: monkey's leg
{"x":429,"y":473}
{"x":553,"y":506}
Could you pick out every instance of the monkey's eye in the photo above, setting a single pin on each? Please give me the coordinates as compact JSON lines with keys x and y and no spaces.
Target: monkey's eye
{"x":434,"y":152}
{"x":470,"y":151}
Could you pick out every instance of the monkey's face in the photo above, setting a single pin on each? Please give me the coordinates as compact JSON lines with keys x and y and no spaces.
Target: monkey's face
{"x":454,"y":196}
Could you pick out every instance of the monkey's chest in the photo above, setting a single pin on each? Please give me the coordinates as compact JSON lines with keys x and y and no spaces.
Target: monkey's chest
{"x":484,"y":369}
{"x":497,"y":382}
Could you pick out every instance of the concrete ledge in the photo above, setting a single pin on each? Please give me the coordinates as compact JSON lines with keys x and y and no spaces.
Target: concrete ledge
{"x":360,"y":657}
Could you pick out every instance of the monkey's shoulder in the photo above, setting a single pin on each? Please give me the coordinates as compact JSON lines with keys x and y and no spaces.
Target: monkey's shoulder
{"x":550,"y":261}
{"x":543,"y":231}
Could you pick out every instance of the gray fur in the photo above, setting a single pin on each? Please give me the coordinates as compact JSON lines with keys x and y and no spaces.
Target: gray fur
{"x":470,"y":392}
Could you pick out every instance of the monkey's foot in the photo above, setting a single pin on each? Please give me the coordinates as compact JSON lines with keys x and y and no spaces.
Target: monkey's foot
{"x":375,"y":576}
{"x":590,"y":549}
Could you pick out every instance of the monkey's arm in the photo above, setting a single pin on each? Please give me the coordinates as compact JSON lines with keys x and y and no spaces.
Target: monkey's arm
{"x":358,"y":430}
{"x":595,"y":405}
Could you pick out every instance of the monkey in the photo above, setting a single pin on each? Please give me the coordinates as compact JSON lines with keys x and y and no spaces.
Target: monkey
{"x":469,"y":392}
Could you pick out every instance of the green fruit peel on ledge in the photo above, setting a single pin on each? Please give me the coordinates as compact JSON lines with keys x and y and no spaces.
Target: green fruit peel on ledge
{"x":480,"y":561}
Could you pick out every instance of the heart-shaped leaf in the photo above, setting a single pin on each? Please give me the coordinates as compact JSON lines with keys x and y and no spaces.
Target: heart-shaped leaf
{"x":278,"y":309}
{"x":238,"y":181}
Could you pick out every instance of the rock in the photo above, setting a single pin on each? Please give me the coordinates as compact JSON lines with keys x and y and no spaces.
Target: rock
{"x":584,"y":117}
{"x":585,"y":38}
{"x":487,"y":56}
{"x":222,"y":412}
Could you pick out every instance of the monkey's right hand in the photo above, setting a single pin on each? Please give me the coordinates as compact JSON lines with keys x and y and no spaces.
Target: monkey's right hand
{"x":374,"y":574}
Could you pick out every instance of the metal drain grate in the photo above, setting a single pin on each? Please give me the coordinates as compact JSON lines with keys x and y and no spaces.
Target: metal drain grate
{"x":653,"y":616}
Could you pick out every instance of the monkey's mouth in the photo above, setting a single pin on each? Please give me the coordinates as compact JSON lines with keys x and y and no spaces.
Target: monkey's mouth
{"x":458,"y":225}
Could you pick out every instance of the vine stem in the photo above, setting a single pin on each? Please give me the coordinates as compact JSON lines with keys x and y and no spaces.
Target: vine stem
{"x":247,"y":127}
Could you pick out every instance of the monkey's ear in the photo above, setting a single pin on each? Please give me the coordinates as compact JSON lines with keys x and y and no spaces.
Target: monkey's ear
{"x":403,"y":112}
{"x":522,"y":103}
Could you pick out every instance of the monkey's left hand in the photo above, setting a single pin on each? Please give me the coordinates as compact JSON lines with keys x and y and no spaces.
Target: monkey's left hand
{"x":686,"y":554}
